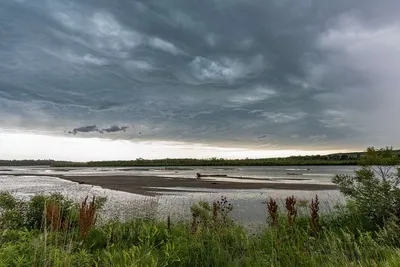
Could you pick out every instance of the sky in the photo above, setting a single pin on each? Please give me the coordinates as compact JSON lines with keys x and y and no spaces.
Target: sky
{"x":100,"y":79}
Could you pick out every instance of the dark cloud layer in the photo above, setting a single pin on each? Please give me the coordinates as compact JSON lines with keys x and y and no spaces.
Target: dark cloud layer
{"x":95,"y":129}
{"x":257,"y":73}
{"x":85,"y":129}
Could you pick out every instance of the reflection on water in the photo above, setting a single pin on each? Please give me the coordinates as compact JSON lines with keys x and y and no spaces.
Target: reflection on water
{"x":248,"y":203}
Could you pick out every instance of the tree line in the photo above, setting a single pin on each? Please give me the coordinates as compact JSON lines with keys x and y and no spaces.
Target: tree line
{"x":332,"y":159}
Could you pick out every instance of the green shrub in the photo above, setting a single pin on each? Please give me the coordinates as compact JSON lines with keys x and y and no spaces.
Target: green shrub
{"x":7,"y":201}
{"x":16,"y":214}
{"x":215,"y":215}
{"x":11,"y":212}
{"x":374,"y":189}
{"x":37,"y":205}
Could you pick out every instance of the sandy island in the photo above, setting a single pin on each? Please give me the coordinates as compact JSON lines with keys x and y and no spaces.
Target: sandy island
{"x":145,"y":185}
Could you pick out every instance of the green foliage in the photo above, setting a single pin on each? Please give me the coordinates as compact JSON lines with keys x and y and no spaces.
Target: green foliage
{"x":143,"y":242}
{"x":383,"y":160}
{"x":15,"y":214}
{"x":99,"y":202}
{"x":7,"y":201}
{"x":11,"y":211}
{"x":374,"y":188}
{"x":215,"y":215}
{"x":37,"y":205}
{"x":202,"y":212}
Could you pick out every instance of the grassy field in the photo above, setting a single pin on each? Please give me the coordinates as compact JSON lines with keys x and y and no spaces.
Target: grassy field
{"x":54,"y":231}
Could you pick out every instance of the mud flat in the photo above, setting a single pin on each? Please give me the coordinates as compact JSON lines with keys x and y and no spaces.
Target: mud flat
{"x":145,"y":185}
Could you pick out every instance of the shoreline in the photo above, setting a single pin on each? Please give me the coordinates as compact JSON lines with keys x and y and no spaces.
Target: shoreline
{"x":144,"y":185}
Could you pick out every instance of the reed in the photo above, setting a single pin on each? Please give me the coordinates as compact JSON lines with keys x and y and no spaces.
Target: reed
{"x":272,"y":208}
{"x":291,"y":208}
{"x":169,"y":223}
{"x":314,"y":216}
{"x":87,"y":216}
{"x":53,"y":214}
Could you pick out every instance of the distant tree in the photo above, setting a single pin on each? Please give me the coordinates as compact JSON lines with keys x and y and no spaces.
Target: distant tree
{"x":382,"y":162}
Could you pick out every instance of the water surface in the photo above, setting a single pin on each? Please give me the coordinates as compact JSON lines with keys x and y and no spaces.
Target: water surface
{"x":248,"y":203}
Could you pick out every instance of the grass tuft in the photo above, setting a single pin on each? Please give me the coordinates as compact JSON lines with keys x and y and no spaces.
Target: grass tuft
{"x":87,"y":216}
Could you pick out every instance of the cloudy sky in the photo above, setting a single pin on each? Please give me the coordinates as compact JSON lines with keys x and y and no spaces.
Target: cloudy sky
{"x":197,"y":78}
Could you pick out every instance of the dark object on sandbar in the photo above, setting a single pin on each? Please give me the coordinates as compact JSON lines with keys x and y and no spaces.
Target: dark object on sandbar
{"x":80,"y":182}
{"x":198,"y":175}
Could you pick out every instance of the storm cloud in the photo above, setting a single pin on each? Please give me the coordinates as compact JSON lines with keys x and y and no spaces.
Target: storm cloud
{"x":251,"y":73}
{"x":85,"y":129}
{"x":95,"y":129}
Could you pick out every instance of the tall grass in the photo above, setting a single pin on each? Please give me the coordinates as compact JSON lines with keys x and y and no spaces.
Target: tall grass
{"x":69,"y":236}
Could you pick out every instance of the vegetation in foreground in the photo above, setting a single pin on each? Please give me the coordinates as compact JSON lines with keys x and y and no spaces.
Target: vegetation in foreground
{"x":54,"y":231}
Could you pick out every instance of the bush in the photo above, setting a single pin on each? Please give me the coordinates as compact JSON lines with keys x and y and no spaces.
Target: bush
{"x":11,"y":212}
{"x":40,"y":211}
{"x":215,"y":215}
{"x":374,"y":188}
